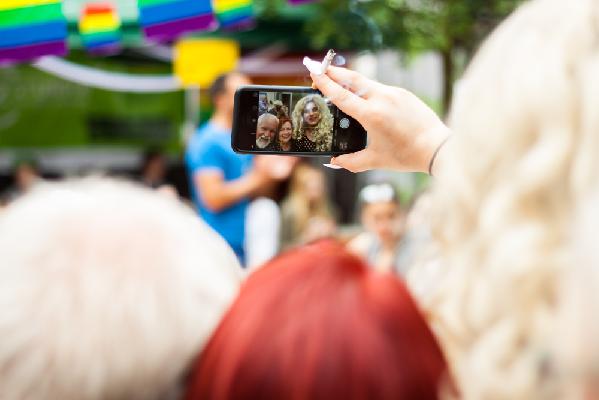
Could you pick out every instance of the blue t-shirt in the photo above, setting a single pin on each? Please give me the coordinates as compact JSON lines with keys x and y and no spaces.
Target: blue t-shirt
{"x":210,"y":149}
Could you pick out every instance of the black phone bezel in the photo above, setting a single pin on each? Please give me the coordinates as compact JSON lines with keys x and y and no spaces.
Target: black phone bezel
{"x":243,"y":122}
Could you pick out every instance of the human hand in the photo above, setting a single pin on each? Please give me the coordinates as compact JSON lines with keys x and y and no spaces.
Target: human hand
{"x":272,"y":167}
{"x":403,"y":132}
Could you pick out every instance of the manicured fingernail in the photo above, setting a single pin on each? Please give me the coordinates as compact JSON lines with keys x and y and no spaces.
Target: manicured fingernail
{"x":332,"y":166}
{"x":313,"y":66}
{"x":362,"y":92}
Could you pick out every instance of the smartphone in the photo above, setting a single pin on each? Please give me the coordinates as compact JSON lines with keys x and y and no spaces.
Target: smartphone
{"x":292,"y":120}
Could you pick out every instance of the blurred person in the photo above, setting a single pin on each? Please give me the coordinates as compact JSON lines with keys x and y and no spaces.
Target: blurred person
{"x":262,"y":231}
{"x":312,"y":124}
{"x":266,"y":130}
{"x":524,"y":155}
{"x":26,"y":175}
{"x":317,"y":323}
{"x":153,"y":168}
{"x":222,"y":182}
{"x":262,"y":104}
{"x":153,"y":172}
{"x":107,"y":291}
{"x":382,"y":219}
{"x":278,"y":109}
{"x":306,"y":212}
{"x":263,"y":216}
{"x":285,"y":140}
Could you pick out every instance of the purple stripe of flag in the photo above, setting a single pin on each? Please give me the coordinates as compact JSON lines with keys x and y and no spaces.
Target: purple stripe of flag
{"x":26,"y":53}
{"x":105,"y":49}
{"x":170,"y":30}
{"x":240,"y":25}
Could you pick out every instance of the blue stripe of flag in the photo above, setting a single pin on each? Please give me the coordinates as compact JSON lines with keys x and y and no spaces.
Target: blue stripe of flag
{"x":31,"y":34}
{"x":103,"y":42}
{"x":236,"y":19}
{"x":171,"y":11}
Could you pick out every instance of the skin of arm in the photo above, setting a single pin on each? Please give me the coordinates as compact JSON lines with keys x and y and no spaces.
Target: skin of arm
{"x":217,"y":194}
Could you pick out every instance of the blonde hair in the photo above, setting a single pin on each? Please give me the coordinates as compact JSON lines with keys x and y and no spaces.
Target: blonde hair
{"x":525,"y":151}
{"x":107,"y":292}
{"x":297,"y":208}
{"x":576,"y":359}
{"x":323,"y":136}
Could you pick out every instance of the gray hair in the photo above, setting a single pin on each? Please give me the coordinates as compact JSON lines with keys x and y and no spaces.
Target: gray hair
{"x":265,"y":116}
{"x":107,"y":291}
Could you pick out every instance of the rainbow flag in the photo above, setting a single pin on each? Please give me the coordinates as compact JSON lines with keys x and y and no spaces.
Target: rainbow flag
{"x":298,"y":2}
{"x":30,"y":29}
{"x":164,"y":20}
{"x":99,"y":27}
{"x":234,"y":14}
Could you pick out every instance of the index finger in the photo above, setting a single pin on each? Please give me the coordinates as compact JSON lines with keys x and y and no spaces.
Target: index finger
{"x":348,"y":102}
{"x":352,"y":80}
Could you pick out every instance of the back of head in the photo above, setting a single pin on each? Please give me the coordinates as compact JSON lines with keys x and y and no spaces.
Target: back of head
{"x":525,"y":150}
{"x":107,"y":292}
{"x":222,"y":91}
{"x":317,"y":323}
{"x":575,"y":361}
{"x":218,"y":87}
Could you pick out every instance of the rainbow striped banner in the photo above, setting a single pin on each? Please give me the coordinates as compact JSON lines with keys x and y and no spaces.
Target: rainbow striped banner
{"x":99,"y":27}
{"x":234,"y":14}
{"x":164,"y":20}
{"x":298,"y":2}
{"x":30,"y":29}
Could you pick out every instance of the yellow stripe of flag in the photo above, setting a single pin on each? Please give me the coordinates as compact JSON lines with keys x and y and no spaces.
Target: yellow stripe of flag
{"x":225,"y":5}
{"x":10,"y":4}
{"x":98,"y":22}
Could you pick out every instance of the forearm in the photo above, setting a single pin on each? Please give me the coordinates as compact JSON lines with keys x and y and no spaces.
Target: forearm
{"x":217,"y":197}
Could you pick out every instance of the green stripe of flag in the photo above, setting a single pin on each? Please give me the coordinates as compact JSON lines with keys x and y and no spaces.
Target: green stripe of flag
{"x":236,"y":12}
{"x":30,"y":15}
{"x":146,"y":3}
{"x":99,"y":36}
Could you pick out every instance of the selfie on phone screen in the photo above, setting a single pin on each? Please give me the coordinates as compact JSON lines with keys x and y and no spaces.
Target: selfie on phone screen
{"x":293,"y":121}
{"x":288,"y":122}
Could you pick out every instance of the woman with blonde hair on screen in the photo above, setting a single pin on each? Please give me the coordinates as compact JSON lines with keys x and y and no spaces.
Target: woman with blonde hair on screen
{"x":525,"y":151}
{"x":312,"y":124}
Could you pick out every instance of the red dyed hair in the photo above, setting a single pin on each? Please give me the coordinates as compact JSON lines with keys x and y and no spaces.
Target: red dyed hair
{"x":317,"y":323}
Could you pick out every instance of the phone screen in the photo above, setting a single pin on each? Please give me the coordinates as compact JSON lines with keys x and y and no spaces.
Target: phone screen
{"x":293,"y":120}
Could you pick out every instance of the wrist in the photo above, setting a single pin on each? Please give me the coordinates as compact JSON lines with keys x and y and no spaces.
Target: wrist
{"x":437,"y":137}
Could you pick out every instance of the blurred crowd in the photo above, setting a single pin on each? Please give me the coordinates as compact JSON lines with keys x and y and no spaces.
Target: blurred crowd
{"x":484,"y":287}
{"x":260,"y":205}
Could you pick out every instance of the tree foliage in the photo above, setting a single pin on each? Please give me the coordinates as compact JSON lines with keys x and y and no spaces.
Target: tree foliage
{"x":453,"y":28}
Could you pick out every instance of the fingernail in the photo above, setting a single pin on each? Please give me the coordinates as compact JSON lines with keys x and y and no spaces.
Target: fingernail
{"x":362,"y":92}
{"x":332,"y":166}
{"x":313,"y":66}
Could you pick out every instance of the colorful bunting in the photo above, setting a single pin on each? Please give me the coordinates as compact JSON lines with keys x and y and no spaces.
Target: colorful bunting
{"x":30,"y":29}
{"x":234,"y":14}
{"x":298,"y":2}
{"x":99,"y":26}
{"x":164,"y":20}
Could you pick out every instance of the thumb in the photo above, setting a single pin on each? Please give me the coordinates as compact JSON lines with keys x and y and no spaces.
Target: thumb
{"x":354,"y":162}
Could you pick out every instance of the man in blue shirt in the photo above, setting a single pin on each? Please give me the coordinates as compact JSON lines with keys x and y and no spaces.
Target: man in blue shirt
{"x":222,"y":181}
